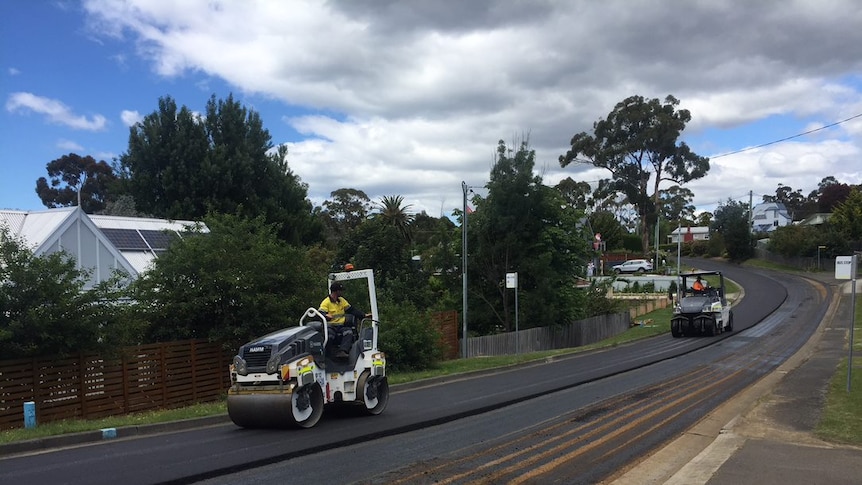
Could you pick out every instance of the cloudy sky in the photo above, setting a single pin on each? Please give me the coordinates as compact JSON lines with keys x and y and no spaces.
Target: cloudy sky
{"x":400,"y":97}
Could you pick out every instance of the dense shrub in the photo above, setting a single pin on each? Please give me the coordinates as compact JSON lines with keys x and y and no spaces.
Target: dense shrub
{"x":407,"y":337}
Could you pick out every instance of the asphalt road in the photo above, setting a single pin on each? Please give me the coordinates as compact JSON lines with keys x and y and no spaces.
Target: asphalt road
{"x":423,"y":423}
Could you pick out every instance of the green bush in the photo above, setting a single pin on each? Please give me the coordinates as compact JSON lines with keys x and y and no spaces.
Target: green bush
{"x":407,"y":337}
{"x":632,"y":242}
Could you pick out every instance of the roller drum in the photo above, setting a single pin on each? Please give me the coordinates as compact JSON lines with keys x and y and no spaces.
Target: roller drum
{"x":260,"y":410}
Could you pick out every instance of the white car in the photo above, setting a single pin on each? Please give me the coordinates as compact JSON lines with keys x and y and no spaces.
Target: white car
{"x":633,"y":266}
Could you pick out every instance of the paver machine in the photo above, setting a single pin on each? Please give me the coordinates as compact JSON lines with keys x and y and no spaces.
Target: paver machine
{"x":286,"y":378}
{"x":701,"y":306}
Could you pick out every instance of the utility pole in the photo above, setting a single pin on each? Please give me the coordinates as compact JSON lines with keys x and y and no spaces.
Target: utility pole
{"x":465,"y":189}
{"x":750,"y":208}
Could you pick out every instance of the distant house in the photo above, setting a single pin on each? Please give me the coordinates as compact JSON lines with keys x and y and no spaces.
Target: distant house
{"x":816,"y":219}
{"x":769,"y":216}
{"x":99,"y":244}
{"x":697,"y":233}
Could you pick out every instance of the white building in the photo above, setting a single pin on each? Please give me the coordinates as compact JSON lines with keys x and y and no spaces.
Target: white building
{"x":769,"y":216}
{"x":697,"y":233}
{"x":99,"y":244}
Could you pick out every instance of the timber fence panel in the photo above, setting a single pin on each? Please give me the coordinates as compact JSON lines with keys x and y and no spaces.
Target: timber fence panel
{"x":88,"y":386}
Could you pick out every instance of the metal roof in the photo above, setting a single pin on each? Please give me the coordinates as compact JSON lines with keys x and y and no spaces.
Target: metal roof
{"x":137,"y":240}
{"x":35,"y":227}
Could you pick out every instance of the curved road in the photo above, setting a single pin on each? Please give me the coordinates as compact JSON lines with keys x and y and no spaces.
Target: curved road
{"x":620,"y":391}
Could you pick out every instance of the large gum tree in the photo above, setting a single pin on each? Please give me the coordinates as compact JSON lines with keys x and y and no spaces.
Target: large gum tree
{"x":638,"y":144}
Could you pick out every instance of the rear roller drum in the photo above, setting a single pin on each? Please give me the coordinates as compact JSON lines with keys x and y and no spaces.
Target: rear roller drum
{"x":375,"y":393}
{"x":306,"y":405}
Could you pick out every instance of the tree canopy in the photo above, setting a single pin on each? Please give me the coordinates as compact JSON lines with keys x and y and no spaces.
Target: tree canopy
{"x":847,"y":216}
{"x":233,"y":283}
{"x":180,"y":165}
{"x":343,"y":212}
{"x":73,"y":177}
{"x":731,"y":223}
{"x":638,"y":143}
{"x":45,"y":310}
{"x":526,"y":227}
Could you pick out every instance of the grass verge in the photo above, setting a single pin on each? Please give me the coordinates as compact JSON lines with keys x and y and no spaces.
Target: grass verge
{"x":841,"y":421}
{"x":68,"y":426}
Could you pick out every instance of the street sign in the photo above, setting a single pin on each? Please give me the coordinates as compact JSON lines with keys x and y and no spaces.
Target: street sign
{"x":511,"y":280}
{"x":845,"y":267}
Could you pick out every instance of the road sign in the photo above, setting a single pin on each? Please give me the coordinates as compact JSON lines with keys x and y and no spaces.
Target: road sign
{"x":845,"y":267}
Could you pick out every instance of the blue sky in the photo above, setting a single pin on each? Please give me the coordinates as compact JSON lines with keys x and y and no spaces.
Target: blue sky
{"x":410,"y":98}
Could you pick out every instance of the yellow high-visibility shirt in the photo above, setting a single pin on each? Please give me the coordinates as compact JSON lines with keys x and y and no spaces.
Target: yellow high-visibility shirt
{"x":336,"y":309}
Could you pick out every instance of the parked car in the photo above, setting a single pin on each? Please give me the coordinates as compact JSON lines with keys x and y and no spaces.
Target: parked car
{"x":633,"y":266}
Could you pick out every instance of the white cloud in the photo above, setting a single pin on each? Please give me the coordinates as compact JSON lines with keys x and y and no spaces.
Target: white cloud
{"x":130,"y":117}
{"x":69,"y":146}
{"x":14,"y":71}
{"x":55,"y":111}
{"x":411,"y":98}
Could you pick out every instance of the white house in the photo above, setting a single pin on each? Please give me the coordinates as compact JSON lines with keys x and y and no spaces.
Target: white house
{"x":100,"y":244}
{"x":768,"y":216}
{"x":697,"y":233}
{"x":816,"y":219}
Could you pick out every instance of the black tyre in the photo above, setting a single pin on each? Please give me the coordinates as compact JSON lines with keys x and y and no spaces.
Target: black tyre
{"x":306,"y":406}
{"x":375,"y":393}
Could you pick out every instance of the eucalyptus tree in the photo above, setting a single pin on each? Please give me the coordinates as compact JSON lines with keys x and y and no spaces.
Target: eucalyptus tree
{"x":342,"y":213}
{"x":76,"y":180}
{"x":637,"y":143}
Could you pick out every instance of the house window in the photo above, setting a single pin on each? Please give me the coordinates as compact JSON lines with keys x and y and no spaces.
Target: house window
{"x":775,"y":224}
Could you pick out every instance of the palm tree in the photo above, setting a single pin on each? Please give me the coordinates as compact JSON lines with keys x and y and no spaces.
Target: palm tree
{"x":394,"y":214}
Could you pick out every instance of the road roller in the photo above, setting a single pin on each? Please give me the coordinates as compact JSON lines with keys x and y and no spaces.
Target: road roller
{"x":286,"y":378}
{"x":701,"y":307}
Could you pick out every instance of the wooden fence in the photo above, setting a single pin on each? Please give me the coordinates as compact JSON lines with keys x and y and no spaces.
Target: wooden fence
{"x":447,"y":324}
{"x":148,"y":377}
{"x":575,"y":334}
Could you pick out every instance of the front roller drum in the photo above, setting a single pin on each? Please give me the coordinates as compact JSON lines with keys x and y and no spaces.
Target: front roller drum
{"x":301,"y":408}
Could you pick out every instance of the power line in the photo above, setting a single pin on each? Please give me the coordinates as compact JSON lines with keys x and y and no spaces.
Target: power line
{"x":788,"y":138}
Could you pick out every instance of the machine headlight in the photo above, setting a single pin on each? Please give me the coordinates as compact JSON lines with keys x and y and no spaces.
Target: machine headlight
{"x":272,"y":364}
{"x":239,"y":365}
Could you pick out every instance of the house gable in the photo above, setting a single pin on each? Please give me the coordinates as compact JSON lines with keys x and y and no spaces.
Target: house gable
{"x":70,"y":230}
{"x":99,"y":244}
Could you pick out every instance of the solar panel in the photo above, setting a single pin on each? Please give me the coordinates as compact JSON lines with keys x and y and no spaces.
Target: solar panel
{"x":125,"y":239}
{"x":158,"y":240}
